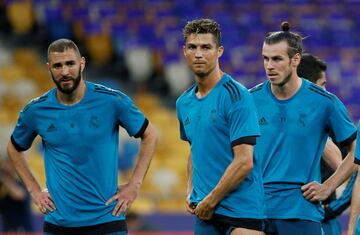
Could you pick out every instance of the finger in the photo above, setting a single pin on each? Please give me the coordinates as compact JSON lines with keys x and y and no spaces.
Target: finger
{"x":189,"y":209}
{"x":306,"y":186}
{"x":315,"y":198}
{"x":49,"y":205}
{"x":309,"y":194}
{"x":122,"y":209}
{"x":43,"y":209}
{"x":306,"y":193}
{"x":113,"y":198}
{"x":117,"y":209}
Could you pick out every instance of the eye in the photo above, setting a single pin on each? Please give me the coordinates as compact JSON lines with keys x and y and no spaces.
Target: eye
{"x":70,"y":63}
{"x":277,"y":59}
{"x":57,"y":66}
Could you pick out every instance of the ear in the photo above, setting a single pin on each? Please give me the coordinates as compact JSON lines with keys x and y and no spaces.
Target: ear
{"x":220,"y":51}
{"x":296,"y":59}
{"x":48,"y":67}
{"x":82,"y":63}
{"x":184,"y":51}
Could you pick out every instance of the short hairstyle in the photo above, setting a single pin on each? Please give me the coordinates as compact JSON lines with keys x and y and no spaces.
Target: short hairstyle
{"x":293,"y":39}
{"x":310,"y":67}
{"x":61,"y":45}
{"x":203,"y":26}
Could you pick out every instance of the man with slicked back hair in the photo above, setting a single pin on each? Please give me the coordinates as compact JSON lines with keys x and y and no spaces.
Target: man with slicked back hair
{"x":218,"y":119}
{"x":290,"y":110}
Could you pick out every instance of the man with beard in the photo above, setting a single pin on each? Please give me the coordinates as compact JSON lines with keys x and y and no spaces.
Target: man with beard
{"x":218,"y":119}
{"x":296,"y":118}
{"x":78,"y":122}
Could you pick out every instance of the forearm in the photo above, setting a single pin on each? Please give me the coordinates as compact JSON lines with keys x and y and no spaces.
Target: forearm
{"x":355,"y":204}
{"x":189,"y":176}
{"x":234,"y":174}
{"x":146,"y":152}
{"x":23,"y":170}
{"x":346,"y":168}
{"x":332,"y":155}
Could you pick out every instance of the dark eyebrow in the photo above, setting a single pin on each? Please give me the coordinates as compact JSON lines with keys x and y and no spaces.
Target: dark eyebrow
{"x":200,"y":45}
{"x":66,"y":62}
{"x":56,"y":64}
{"x":277,"y":57}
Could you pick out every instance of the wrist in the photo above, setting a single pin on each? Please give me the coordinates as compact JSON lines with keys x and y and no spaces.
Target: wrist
{"x":328,"y":187}
{"x":211,"y":201}
{"x":136,"y":183}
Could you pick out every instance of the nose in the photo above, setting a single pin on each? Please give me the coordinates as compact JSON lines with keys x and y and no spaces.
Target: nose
{"x":268,"y":65}
{"x":198,"y":53}
{"x":64,"y":70}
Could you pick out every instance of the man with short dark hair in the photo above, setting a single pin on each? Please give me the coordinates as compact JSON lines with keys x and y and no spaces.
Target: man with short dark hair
{"x":78,"y":122}
{"x":217,"y":117}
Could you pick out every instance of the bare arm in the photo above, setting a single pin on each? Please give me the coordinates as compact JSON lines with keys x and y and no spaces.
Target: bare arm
{"x":41,"y":198}
{"x":127,"y":193}
{"x":189,"y":185}
{"x":146,"y":152}
{"x":355,"y":205}
{"x":332,"y":155}
{"x":314,"y":191}
{"x":234,"y":174}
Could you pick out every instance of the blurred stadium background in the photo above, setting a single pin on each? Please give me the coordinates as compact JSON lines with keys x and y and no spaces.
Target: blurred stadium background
{"x":135,"y":46}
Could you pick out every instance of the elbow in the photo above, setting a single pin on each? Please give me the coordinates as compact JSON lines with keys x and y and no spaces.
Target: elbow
{"x":9,"y":148}
{"x":151,"y":134}
{"x":248,"y":167}
{"x":154,"y":134}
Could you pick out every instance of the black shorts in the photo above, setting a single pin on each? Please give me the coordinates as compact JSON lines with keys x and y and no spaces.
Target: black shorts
{"x":253,"y":224}
{"x":114,"y":226}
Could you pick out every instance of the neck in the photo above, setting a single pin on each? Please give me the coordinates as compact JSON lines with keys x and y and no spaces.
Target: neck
{"x":207,"y":83}
{"x":74,"y":97}
{"x":286,"y":91}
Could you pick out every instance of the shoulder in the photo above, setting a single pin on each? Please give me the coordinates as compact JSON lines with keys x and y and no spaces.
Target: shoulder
{"x":233,"y":90}
{"x":320,"y":93}
{"x":257,"y":88}
{"x":187,"y":94}
{"x":107,"y":92}
{"x":36,"y":102}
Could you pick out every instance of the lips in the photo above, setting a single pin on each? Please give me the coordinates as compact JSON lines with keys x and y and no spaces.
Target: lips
{"x":66,"y":79}
{"x":199,"y":62}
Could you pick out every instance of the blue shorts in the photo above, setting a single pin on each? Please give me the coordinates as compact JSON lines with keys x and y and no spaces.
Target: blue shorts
{"x":293,"y":227}
{"x":331,"y":227}
{"x":223,"y":225}
{"x":357,"y":228}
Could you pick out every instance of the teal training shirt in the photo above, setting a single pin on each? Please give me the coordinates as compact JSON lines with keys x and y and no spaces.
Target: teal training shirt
{"x":293,"y":136}
{"x":80,"y":150}
{"x":357,"y":149}
{"x":213,"y":125}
